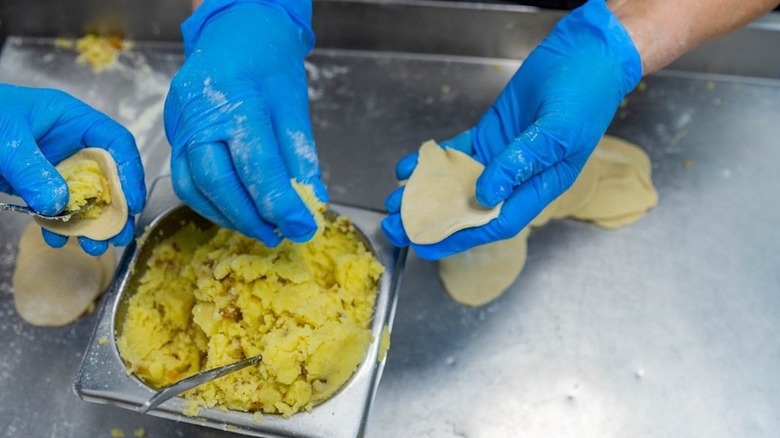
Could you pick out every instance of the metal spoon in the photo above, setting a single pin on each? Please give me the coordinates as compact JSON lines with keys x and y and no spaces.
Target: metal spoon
{"x":64,"y":216}
{"x":202,"y":377}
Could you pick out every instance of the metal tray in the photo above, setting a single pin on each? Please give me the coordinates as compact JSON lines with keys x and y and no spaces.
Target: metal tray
{"x":103,"y":378}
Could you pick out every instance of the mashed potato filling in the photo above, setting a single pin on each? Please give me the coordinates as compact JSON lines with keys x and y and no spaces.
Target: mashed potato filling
{"x":86,"y":182}
{"x":209,"y":298}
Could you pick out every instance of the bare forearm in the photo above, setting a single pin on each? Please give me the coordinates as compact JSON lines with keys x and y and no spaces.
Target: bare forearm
{"x":662,"y":30}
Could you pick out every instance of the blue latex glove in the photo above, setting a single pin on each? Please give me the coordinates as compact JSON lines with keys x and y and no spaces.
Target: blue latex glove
{"x":237,"y":117}
{"x":538,"y":134}
{"x":39,"y":127}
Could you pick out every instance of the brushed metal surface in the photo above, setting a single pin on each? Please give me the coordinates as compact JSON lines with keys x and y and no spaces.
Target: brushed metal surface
{"x":666,"y":328}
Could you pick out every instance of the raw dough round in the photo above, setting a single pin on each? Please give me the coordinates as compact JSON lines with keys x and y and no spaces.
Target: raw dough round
{"x":113,"y":217}
{"x":624,"y":189}
{"x":440,"y":196}
{"x":613,"y":190}
{"x":479,"y":275}
{"x":53,"y":287}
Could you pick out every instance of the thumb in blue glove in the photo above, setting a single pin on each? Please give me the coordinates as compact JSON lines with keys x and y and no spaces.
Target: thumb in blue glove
{"x":539,"y":133}
{"x":39,"y":127}
{"x":237,"y":118}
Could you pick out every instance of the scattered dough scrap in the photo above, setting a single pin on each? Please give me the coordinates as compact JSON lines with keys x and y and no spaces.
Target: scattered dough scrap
{"x":451,"y":177}
{"x":88,"y":182}
{"x":613,"y":190}
{"x":55,"y":286}
{"x":211,"y":297}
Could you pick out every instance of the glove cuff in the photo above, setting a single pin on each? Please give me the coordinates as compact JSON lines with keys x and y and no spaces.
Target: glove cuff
{"x":595,"y":20}
{"x":299,"y":11}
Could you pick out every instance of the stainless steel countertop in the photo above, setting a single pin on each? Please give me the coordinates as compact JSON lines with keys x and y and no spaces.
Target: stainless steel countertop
{"x":665,"y":328}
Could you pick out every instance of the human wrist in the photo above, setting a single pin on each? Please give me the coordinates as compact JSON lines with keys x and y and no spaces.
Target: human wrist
{"x":298,"y":11}
{"x":658,"y":44}
{"x":593,"y":27}
{"x":663,"y":30}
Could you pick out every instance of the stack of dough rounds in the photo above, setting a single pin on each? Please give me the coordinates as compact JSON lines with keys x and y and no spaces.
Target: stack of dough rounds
{"x":613,"y":190}
{"x":113,"y":216}
{"x":54,"y":286}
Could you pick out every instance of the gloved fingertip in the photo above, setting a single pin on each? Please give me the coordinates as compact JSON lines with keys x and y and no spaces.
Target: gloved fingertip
{"x":394,"y":230}
{"x":49,"y":198}
{"x":405,"y":166}
{"x":393,"y":201}
{"x":461,"y":142}
{"x":321,"y":191}
{"x":299,"y":226}
{"x":489,"y":192}
{"x":54,"y":240}
{"x":136,"y":200}
{"x":126,"y":235}
{"x":93,"y":247}
{"x":271,"y":240}
{"x":303,"y":238}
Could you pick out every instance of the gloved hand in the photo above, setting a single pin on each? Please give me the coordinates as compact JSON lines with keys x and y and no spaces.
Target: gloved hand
{"x":39,"y":127}
{"x":538,"y":134}
{"x":237,"y":117}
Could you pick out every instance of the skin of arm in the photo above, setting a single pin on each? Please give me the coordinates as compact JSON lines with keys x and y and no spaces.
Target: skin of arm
{"x":663,"y":30}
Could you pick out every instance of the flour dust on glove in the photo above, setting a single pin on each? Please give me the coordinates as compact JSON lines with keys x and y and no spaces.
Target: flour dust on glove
{"x":41,"y":127}
{"x":237,"y":118}
{"x":539,"y":133}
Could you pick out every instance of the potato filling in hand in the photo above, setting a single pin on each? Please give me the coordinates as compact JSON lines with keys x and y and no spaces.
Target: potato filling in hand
{"x":86,"y":183}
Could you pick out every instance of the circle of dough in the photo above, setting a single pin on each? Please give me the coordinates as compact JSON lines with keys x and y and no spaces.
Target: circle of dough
{"x":113,"y":217}
{"x":481,"y":274}
{"x":440,"y":196}
{"x":54,"y":286}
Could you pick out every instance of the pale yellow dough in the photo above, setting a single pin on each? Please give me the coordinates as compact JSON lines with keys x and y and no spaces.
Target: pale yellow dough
{"x":113,"y":216}
{"x":613,"y":190}
{"x":479,"y":275}
{"x":55,"y":286}
{"x":440,"y":196}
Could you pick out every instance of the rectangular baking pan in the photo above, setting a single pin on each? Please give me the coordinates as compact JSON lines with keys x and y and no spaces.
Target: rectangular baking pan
{"x":103,"y":377}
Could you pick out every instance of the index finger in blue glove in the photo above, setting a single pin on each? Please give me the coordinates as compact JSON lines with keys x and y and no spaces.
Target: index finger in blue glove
{"x":215,"y":177}
{"x":533,"y":152}
{"x":29,"y":173}
{"x":262,"y":171}
{"x":290,"y":116}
